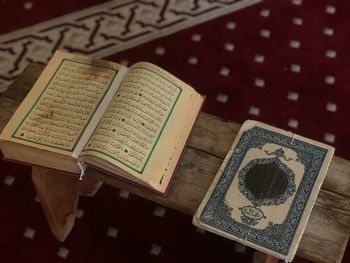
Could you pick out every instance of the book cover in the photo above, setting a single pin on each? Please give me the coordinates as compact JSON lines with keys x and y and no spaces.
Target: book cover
{"x":265,"y":189}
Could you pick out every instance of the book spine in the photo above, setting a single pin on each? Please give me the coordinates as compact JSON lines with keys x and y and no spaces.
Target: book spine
{"x":96,"y":118}
{"x":99,"y":112}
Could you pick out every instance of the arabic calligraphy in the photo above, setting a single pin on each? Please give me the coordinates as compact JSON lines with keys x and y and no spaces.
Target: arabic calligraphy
{"x":134,"y":120}
{"x":66,"y":105}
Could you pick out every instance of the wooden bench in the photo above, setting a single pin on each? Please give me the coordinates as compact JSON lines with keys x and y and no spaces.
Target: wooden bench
{"x":327,"y":231}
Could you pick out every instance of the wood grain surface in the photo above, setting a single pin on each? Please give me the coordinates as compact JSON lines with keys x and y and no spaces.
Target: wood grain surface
{"x":59,"y":197}
{"x":328,"y":229}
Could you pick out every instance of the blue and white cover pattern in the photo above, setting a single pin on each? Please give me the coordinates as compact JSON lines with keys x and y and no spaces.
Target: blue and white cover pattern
{"x":266,"y":171}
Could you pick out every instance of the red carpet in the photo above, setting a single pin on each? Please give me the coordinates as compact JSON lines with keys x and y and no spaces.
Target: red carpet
{"x":285,"y":63}
{"x":16,"y":14}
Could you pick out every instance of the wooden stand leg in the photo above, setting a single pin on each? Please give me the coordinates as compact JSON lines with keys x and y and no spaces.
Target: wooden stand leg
{"x":59,"y":197}
{"x":89,"y":186}
{"x":261,"y":257}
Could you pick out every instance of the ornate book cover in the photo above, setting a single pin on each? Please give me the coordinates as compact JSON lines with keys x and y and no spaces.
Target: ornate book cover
{"x":264,"y":191}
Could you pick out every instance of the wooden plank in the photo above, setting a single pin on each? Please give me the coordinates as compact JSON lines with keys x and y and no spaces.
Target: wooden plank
{"x":338,"y":177}
{"x":193,"y":177}
{"x":8,"y":107}
{"x":16,"y":92}
{"x":219,"y":135}
{"x":260,"y":257}
{"x":326,"y":233}
{"x":59,"y":197}
{"x":24,"y":82}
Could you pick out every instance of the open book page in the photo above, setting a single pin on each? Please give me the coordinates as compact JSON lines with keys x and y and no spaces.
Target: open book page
{"x":48,"y":124}
{"x":143,"y":129}
{"x":61,"y":103}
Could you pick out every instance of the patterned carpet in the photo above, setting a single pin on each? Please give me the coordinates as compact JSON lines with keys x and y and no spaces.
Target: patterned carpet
{"x":285,"y":63}
{"x":103,"y":30}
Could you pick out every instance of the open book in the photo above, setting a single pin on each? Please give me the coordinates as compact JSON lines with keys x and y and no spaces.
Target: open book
{"x":131,"y":122}
{"x":264,"y":191}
